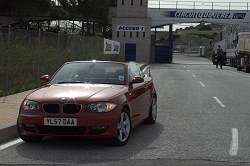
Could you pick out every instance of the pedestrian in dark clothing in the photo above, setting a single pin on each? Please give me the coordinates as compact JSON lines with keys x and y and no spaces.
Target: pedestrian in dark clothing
{"x":220,"y":56}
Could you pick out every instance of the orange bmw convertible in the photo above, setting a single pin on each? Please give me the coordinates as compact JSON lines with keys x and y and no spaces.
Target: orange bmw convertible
{"x":89,"y":99}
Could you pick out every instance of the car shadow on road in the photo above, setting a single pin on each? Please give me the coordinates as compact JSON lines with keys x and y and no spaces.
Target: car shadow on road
{"x":79,"y":150}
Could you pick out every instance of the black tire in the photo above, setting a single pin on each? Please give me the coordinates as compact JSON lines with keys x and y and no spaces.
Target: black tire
{"x":246,"y":68}
{"x":29,"y":139}
{"x":239,"y":68}
{"x":151,"y":119}
{"x":231,"y":62}
{"x":123,"y":129}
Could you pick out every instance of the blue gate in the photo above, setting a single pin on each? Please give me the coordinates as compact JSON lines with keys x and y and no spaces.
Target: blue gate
{"x":130,"y":52}
{"x":163,"y":54}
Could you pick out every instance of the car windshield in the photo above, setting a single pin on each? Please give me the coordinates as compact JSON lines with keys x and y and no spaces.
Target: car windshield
{"x":90,"y":72}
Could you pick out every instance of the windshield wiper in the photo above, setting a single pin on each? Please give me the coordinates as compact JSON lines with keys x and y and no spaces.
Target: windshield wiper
{"x":69,"y":82}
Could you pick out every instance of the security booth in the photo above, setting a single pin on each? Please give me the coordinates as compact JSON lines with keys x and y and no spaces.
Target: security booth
{"x":202,"y":50}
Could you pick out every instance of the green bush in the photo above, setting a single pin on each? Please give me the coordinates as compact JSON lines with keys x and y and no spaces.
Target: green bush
{"x":209,"y":36}
{"x":205,"y":28}
{"x":2,"y":93}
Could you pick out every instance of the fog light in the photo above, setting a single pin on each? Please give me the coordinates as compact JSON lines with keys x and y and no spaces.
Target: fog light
{"x":99,"y":127}
{"x":30,"y":128}
{"x":29,"y":125}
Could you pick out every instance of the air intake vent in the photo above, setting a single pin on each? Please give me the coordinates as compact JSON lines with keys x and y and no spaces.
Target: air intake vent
{"x":71,"y":108}
{"x":51,"y":108}
{"x":61,"y":130}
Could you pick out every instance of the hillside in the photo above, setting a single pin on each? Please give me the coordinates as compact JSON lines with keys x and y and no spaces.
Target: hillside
{"x":201,"y":35}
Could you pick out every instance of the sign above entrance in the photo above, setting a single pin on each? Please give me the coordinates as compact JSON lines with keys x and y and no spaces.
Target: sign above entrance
{"x":170,"y":16}
{"x":130,"y":28}
{"x":205,"y":14}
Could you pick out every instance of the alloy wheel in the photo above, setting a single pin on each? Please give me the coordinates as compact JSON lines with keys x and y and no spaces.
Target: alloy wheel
{"x":124,"y":127}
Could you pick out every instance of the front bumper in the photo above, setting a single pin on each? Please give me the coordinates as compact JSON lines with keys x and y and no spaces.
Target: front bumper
{"x":88,"y":124}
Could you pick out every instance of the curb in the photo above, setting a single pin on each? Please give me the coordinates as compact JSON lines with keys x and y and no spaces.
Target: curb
{"x":8,"y":132}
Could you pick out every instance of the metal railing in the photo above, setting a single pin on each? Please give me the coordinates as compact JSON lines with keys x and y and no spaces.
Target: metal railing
{"x":160,"y":4}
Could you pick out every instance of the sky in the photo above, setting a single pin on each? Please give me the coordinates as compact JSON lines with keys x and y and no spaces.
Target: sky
{"x":199,"y":4}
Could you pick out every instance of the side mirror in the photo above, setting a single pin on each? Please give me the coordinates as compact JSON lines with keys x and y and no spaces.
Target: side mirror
{"x":137,"y":80}
{"x":45,"y":78}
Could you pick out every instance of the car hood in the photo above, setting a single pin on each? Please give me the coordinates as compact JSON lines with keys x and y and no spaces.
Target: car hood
{"x":78,"y":93}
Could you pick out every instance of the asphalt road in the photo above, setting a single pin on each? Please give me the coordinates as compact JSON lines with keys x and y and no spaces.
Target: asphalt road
{"x":203,"y":119}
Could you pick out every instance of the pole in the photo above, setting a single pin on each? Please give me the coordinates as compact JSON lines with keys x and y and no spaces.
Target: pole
{"x":38,"y":56}
{"x":58,"y":49}
{"x":155,"y":33}
{"x":8,"y":63}
{"x":189,"y":45}
{"x":171,"y":44}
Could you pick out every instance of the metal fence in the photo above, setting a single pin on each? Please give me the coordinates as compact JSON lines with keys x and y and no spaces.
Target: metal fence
{"x":26,"y":55}
{"x":174,"y":4}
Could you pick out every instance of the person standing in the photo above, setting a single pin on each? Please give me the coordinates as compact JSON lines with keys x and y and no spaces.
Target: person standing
{"x":220,"y":55}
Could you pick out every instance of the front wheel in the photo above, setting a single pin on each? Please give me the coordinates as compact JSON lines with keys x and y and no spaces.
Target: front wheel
{"x":151,"y":119}
{"x":123,"y":129}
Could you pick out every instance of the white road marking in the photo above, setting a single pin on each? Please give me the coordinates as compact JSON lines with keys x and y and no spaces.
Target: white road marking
{"x":194,"y":75}
{"x":188,"y":70}
{"x":234,"y":142}
{"x":202,"y":84}
{"x":4,"y":146}
{"x":218,"y":101}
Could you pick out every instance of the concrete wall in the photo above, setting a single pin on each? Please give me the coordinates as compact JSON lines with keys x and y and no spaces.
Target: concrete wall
{"x":134,"y":15}
{"x":138,"y":9}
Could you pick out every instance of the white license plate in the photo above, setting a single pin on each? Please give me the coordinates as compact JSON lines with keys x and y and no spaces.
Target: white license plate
{"x":60,"y":121}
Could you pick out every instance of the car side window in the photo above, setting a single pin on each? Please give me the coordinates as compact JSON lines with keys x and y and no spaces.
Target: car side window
{"x":131,"y":75}
{"x":134,"y":69}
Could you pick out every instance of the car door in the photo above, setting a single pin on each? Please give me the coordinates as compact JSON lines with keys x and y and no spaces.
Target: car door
{"x":139,"y":93}
{"x":146,"y":96}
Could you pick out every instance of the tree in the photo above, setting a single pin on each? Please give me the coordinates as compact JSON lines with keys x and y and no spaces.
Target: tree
{"x":205,"y":28}
{"x":66,"y":10}
{"x":90,"y":10}
{"x":93,"y":11}
{"x":23,"y":8}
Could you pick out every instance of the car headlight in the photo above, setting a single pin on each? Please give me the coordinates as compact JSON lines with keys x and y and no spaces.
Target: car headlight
{"x":30,"y":105}
{"x":100,"y":107}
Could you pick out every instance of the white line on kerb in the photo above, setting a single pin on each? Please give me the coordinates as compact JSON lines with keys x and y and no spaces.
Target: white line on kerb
{"x":202,"y":84}
{"x":194,"y":75}
{"x":4,"y":146}
{"x":234,"y":142}
{"x":218,"y":101}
